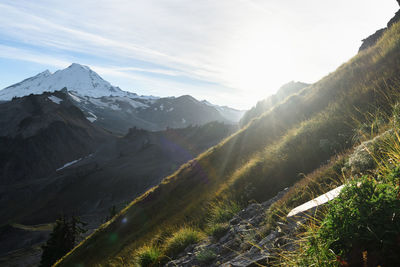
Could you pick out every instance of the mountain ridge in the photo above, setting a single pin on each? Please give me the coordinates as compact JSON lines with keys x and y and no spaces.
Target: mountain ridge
{"x":116,"y":110}
{"x":76,"y":77}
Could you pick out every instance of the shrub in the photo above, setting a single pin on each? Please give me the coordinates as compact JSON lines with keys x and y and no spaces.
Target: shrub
{"x":222,"y":212}
{"x":181,"y":239}
{"x":206,"y":256}
{"x":148,"y":256}
{"x":218,"y":230}
{"x":365,"y":219}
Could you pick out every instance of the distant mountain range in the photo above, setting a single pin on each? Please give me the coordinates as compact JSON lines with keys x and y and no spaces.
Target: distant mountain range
{"x":117,"y":110}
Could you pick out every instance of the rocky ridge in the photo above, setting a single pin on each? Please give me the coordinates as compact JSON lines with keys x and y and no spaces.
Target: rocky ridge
{"x":372,"y":39}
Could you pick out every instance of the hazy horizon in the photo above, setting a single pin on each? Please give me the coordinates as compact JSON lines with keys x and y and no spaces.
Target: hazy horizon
{"x":228,"y":52}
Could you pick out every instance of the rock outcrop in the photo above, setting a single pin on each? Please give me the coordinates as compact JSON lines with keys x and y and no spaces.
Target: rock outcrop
{"x":372,"y":39}
{"x":243,"y":244}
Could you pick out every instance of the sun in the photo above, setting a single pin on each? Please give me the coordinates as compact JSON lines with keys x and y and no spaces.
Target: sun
{"x":257,"y":65}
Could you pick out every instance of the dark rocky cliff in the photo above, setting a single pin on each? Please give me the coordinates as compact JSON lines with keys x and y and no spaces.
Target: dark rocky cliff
{"x":372,"y":39}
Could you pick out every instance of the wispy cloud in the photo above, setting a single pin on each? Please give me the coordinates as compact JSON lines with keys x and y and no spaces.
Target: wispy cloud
{"x":26,"y":55}
{"x":242,"y":50}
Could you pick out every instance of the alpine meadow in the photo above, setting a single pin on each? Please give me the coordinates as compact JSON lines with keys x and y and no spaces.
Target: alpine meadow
{"x":93,"y":175}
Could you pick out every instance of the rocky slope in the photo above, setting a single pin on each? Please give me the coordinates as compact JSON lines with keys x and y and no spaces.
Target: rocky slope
{"x":243,"y":245}
{"x":40,"y":133}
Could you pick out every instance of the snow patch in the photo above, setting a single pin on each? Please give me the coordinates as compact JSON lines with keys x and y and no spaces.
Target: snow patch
{"x":91,"y":114}
{"x":92,"y":117}
{"x":66,"y":165}
{"x":111,"y":102}
{"x":170,"y":109}
{"x":183,"y":121}
{"x":208,"y":103}
{"x":77,"y":99}
{"x":98,"y":102}
{"x":161,"y":107}
{"x":114,"y":107}
{"x":316,"y":201}
{"x":131,"y":102}
{"x":55,"y":99}
{"x":69,"y":164}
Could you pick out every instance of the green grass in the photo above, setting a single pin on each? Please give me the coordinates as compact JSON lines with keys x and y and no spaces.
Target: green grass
{"x":219,"y":214}
{"x":316,"y":183}
{"x":184,"y":237}
{"x":364,"y":218}
{"x":165,"y":246}
{"x":361,"y":226}
{"x":206,"y":256}
{"x":270,"y":153}
{"x":148,"y":256}
{"x":217,"y":230}
{"x":223,"y":211}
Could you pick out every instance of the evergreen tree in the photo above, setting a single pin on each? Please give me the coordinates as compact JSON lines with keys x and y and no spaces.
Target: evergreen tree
{"x":112,"y":212}
{"x":65,"y":233}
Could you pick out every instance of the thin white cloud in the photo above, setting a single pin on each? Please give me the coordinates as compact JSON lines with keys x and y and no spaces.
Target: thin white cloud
{"x":144,"y":85}
{"x":253,"y":46}
{"x":26,"y":55}
{"x":157,"y":71}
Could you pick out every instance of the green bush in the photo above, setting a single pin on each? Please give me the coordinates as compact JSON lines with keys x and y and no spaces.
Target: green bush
{"x":363,"y":223}
{"x":218,"y":230}
{"x":222,"y":212}
{"x":148,"y":256}
{"x":206,"y":256}
{"x":181,"y":239}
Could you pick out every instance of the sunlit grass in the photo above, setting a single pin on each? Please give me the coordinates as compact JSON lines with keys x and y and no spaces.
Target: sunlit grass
{"x":360,"y":226}
{"x":148,"y":256}
{"x":181,"y":239}
{"x":297,"y":136}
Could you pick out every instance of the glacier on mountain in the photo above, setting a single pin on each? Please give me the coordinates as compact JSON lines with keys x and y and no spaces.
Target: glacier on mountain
{"x":76,"y":78}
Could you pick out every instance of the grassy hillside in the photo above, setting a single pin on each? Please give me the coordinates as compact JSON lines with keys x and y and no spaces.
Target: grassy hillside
{"x":296,"y":136}
{"x":268,"y":103}
{"x":360,"y":227}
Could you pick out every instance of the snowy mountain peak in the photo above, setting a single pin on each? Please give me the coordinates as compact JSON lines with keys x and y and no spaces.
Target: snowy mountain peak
{"x":77,"y":78}
{"x":44,"y":74}
{"x":79,"y":66}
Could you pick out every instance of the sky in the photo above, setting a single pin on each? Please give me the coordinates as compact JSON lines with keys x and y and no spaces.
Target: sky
{"x":229,"y":52}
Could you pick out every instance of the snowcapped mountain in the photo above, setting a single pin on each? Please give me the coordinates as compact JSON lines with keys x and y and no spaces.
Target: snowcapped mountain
{"x":77,"y":78}
{"x":116,"y":110}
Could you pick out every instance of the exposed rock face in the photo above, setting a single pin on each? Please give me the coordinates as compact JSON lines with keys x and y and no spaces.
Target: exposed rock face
{"x":372,"y":39}
{"x":243,"y":244}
